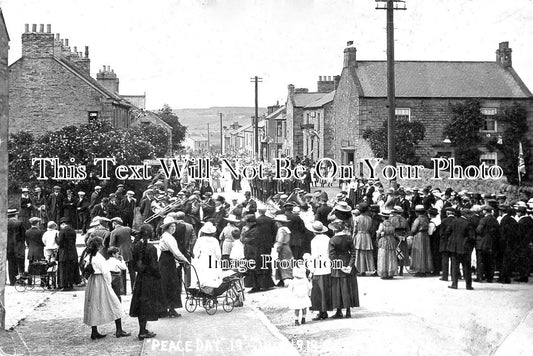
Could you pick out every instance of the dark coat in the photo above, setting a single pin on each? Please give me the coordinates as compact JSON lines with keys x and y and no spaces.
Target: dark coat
{"x":99,"y":210}
{"x":253,"y":245}
{"x":250,"y":206}
{"x":488,"y":231}
{"x":121,"y":238}
{"x":26,"y":207}
{"x":67,"y":245}
{"x":54,"y":206}
{"x":267,"y":229}
{"x":146,"y":299}
{"x":82,"y":207}
{"x":508,"y":229}
{"x":128,"y":207}
{"x":34,"y":240}
{"x":525,"y":231}
{"x":341,"y":247}
{"x":298,"y":230}
{"x":322,"y":214}
{"x":443,"y":237}
{"x":15,"y":239}
{"x":460,"y":236}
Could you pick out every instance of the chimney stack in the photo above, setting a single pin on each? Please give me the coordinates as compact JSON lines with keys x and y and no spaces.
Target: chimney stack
{"x":27,"y":28}
{"x":37,"y":44}
{"x":86,"y":51}
{"x":48,"y":28}
{"x":350,"y":55}
{"x":290,"y":87}
{"x":503,"y":55}
{"x":325,"y":84}
{"x":108,"y":79}
{"x":34,"y":27}
{"x":42,"y":28}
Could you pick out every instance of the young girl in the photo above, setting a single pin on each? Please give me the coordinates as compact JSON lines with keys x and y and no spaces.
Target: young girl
{"x":237,"y":254}
{"x":116,"y":264}
{"x":300,"y":288}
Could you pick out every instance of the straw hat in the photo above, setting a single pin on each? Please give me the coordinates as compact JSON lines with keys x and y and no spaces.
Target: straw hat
{"x":281,"y":218}
{"x":167,"y":221}
{"x":232,"y":218}
{"x":343,"y":206}
{"x":316,"y":227}
{"x":208,"y":228}
{"x":420,"y":208}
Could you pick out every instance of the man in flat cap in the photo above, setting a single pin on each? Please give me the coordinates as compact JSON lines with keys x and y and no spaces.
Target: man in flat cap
{"x":127,"y":207}
{"x":121,"y":238}
{"x":54,"y":205}
{"x":16,"y":248}
{"x":25,"y":209}
{"x":489,"y":232}
{"x":82,"y":212}
{"x":96,"y":197}
{"x":508,"y":229}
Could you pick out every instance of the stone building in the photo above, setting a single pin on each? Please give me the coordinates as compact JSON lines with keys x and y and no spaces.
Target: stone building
{"x":51,"y":86}
{"x":272,"y":145}
{"x":424,"y":92}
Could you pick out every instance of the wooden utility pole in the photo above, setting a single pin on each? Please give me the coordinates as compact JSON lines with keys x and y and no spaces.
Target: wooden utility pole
{"x":221,"y":136}
{"x":256,"y":80}
{"x":208,"y":139}
{"x":390,"y":6}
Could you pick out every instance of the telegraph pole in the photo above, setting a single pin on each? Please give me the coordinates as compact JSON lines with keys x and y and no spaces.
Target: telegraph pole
{"x":221,"y":136}
{"x":390,"y":6}
{"x":256,"y":80}
{"x":208,"y":139}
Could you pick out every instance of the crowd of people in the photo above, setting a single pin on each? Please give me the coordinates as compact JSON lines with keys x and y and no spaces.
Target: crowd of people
{"x":373,"y":231}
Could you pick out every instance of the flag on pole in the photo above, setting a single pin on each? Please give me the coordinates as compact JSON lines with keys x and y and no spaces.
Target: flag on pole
{"x":521,"y":163}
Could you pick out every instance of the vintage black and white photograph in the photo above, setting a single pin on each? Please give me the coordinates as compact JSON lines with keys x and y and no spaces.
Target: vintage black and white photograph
{"x":266,"y":177}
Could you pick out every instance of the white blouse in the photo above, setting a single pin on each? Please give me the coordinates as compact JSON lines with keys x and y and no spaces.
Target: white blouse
{"x":320,"y":254}
{"x":168,"y":243}
{"x":49,"y":239}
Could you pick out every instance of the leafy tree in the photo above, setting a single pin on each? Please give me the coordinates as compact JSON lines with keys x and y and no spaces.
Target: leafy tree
{"x":463,"y":132}
{"x":178,"y":130}
{"x":408,"y":135}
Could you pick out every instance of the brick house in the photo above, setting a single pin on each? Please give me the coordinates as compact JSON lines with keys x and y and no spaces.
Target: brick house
{"x":51,"y":87}
{"x":424,"y":92}
{"x":297,"y":100}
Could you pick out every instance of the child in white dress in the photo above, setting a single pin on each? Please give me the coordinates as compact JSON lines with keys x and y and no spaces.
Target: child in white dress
{"x":300,"y":289}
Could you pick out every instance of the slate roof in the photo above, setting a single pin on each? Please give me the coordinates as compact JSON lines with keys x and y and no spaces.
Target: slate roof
{"x":274,"y":114}
{"x":326,"y":98}
{"x":303,"y":99}
{"x":434,"y":79}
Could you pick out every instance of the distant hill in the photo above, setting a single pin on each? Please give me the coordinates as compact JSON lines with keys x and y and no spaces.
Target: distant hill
{"x":196,"y":120}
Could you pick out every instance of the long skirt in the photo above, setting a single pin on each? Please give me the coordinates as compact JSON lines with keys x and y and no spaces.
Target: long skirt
{"x":421,"y":254}
{"x":101,"y":303}
{"x":146,"y":300}
{"x":68,"y":273}
{"x":387,"y":259}
{"x":321,"y":293}
{"x":364,"y":261}
{"x":170,"y":280}
{"x":405,"y":251}
{"x":344,"y":292}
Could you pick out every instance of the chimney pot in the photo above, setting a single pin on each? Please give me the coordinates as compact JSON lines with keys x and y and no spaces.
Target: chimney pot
{"x":41,"y":28}
{"x":66,"y":42}
{"x":27,"y":27}
{"x":34,"y":27}
{"x":349,"y":43}
{"x":75,"y":49}
{"x":86,"y":51}
{"x":49,"y":28}
{"x":57,"y":37}
{"x":103,"y":69}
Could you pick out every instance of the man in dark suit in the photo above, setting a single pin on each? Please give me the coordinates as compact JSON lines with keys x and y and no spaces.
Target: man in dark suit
{"x":26,"y":207}
{"x":100,"y":209}
{"x":186,"y":238}
{"x":488,"y":231}
{"x":445,"y":254}
{"x":34,"y":241}
{"x":508,"y":229}
{"x":96,"y":197}
{"x":127,"y":206}
{"x":67,"y":256}
{"x":15,"y":246}
{"x":121,"y":238}
{"x":522,"y":253}
{"x":460,"y":240}
{"x":250,"y":205}
{"x":322,"y":212}
{"x":55,"y":205}
{"x":82,"y":212}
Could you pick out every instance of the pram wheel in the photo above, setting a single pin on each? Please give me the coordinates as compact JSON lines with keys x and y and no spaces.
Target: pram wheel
{"x":20,"y":285}
{"x":210,"y":306}
{"x":190,"y":304}
{"x":228,"y":303}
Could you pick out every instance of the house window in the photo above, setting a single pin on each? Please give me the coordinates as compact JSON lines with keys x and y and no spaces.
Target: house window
{"x":489,"y":124}
{"x":489,"y":158}
{"x":403,"y":114}
{"x":93,"y":115}
{"x":279,"y":128}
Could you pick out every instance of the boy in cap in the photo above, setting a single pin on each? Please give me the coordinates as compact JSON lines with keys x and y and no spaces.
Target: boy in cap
{"x":82,"y":212}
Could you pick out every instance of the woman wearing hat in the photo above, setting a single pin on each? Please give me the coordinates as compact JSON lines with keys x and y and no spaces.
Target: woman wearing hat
{"x":421,"y":262}
{"x":344,"y":290}
{"x":226,"y":236}
{"x":101,"y":303}
{"x":207,"y":256}
{"x":321,"y":271}
{"x":146,"y":302}
{"x":170,"y":278}
{"x":401,"y":230}
{"x":387,"y":260}
{"x":282,"y":247}
{"x":67,"y":256}
{"x":362,"y":224}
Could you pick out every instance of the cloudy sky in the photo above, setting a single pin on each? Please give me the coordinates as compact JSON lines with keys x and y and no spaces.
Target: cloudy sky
{"x":202,"y":53}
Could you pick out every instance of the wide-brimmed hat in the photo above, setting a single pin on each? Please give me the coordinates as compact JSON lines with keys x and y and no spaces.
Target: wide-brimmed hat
{"x":232,"y":218}
{"x":316,"y":227}
{"x":420,"y":208}
{"x":117,"y":220}
{"x":208,"y":228}
{"x":281,"y":218}
{"x":168,"y":220}
{"x":343,"y":206}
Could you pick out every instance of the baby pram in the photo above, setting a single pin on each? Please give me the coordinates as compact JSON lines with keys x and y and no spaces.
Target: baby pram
{"x":40,"y":273}
{"x":227,"y":293}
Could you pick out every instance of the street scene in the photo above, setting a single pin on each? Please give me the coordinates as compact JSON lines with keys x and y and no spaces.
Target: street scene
{"x":270,"y":177}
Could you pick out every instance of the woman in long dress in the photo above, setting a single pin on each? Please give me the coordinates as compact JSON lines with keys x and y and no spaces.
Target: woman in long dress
{"x":401,"y":230}
{"x":101,"y":303}
{"x":207,"y":257}
{"x":146,"y":302}
{"x":421,"y":262}
{"x":170,"y":278}
{"x":387,"y":260}
{"x":344,"y":289}
{"x":364,"y":252}
{"x":321,"y":271}
{"x":283,"y":249}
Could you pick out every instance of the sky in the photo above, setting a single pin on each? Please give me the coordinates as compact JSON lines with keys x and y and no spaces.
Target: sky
{"x":202,"y":53}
